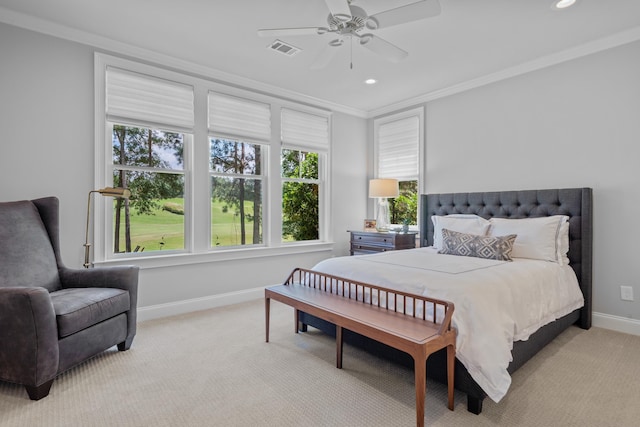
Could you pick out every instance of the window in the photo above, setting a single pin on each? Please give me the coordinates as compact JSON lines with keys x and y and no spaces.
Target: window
{"x":398,"y":156}
{"x":300,"y":196}
{"x":202,"y":162}
{"x":236,"y":168}
{"x":305,"y":140}
{"x":144,"y":115}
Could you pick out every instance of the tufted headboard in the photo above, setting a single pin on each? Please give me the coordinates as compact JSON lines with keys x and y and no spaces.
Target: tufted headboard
{"x":573,"y":202}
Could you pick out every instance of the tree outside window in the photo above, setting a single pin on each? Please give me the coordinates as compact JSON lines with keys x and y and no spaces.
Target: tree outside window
{"x":404,"y":208}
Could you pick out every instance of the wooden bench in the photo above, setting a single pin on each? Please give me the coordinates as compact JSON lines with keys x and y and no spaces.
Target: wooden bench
{"x":411,"y":323}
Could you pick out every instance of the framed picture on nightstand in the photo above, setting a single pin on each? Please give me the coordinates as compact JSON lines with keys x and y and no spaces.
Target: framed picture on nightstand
{"x":370,"y":225}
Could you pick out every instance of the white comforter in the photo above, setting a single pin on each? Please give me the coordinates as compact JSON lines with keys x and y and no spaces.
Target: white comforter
{"x":496,"y":302}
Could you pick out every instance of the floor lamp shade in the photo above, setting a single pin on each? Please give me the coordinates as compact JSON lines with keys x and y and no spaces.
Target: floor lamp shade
{"x":381,"y":189}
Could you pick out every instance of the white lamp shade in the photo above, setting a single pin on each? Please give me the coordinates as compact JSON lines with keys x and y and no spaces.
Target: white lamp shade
{"x":383,"y":188}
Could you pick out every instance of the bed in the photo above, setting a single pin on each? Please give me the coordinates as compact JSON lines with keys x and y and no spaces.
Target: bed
{"x":574,"y":203}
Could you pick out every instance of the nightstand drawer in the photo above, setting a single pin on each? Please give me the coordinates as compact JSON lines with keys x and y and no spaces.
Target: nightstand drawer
{"x":362,"y":249}
{"x":373,"y":239}
{"x":365,"y":242}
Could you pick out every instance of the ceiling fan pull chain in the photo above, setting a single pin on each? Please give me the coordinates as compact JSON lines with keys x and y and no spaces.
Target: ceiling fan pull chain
{"x":351,"y":58}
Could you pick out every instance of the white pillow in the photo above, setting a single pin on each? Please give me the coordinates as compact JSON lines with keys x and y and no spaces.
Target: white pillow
{"x":544,"y":238}
{"x":563,"y":245}
{"x":462,"y":223}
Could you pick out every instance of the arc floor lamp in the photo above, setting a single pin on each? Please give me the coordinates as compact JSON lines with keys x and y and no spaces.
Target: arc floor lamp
{"x":118,"y":192}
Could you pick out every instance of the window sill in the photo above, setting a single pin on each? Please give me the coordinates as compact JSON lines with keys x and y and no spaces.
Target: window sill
{"x":178,"y":259}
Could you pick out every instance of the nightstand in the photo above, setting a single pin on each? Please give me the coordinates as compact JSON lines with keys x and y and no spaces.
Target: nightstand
{"x":368,"y":242}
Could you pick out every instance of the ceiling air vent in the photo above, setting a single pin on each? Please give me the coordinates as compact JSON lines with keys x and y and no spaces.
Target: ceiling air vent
{"x":284,"y":48}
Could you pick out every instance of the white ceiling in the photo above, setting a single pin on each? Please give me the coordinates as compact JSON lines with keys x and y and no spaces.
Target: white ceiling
{"x":469,"y":40}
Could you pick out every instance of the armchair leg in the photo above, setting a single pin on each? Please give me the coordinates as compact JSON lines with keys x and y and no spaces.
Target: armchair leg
{"x":40,"y":391}
{"x":125,"y":345}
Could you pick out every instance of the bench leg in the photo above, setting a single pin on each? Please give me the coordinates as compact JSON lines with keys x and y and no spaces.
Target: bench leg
{"x":339,"y":347}
{"x":451,"y":359}
{"x":420,"y":368}
{"x":267,"y":307}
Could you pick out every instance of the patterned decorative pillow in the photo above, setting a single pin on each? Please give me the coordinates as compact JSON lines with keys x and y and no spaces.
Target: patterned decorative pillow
{"x":488,"y":247}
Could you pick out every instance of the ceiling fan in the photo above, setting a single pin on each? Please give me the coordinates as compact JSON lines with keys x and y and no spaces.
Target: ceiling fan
{"x":348,"y":21}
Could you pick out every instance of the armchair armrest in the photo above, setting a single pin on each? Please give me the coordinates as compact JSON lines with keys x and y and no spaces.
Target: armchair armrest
{"x":121,"y":277}
{"x":28,"y":336}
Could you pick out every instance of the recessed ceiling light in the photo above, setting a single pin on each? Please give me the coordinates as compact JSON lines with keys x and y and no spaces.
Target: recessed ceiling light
{"x":562,"y":4}
{"x":370,"y":81}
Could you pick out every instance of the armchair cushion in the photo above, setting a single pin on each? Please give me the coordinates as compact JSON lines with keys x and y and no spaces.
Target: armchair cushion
{"x":79,"y":308}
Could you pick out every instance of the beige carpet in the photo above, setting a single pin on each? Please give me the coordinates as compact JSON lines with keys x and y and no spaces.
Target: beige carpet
{"x":213,"y":368}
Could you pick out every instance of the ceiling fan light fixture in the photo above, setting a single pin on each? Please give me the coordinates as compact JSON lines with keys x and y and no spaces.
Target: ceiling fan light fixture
{"x":371,"y":23}
{"x":365,"y":38}
{"x":342,"y":17}
{"x":562,"y":4}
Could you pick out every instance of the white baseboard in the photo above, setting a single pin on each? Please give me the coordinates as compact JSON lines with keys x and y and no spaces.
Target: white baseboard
{"x":196,"y":304}
{"x":616,"y":323}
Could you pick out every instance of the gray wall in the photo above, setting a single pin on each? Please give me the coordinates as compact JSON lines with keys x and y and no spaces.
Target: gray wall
{"x":575,"y":124}
{"x":46,"y":122}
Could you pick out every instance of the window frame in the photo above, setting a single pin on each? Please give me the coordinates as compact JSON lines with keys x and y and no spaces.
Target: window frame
{"x":320,"y":181}
{"x":420,"y":177}
{"x":187,"y":140}
{"x":198,"y":246}
{"x":262,"y":177}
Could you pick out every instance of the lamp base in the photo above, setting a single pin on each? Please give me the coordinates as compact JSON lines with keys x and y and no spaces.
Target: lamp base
{"x":382,"y":214}
{"x":87,"y":248}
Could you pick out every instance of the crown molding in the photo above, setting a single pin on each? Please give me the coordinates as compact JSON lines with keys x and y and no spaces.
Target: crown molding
{"x":618,"y":39}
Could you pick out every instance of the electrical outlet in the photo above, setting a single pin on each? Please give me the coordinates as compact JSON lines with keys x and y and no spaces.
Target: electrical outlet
{"x":626,"y":293}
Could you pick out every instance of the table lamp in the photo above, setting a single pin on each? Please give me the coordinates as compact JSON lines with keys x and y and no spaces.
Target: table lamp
{"x":381,"y":189}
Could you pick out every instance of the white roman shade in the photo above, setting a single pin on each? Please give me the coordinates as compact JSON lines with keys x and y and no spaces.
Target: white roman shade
{"x":150,"y":100}
{"x":304,"y":130}
{"x":398,"y":148}
{"x":241,"y":118}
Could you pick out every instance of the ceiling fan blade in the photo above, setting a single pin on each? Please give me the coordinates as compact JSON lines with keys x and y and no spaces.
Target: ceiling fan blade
{"x":324,"y":58}
{"x":383,"y":48}
{"x":400,"y":15}
{"x":339,"y":9}
{"x":302,"y":31}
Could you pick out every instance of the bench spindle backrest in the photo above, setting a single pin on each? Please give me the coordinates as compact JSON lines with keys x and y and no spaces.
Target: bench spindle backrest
{"x":417,"y":306}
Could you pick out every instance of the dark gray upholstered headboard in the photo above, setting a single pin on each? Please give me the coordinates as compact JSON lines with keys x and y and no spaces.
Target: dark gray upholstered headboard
{"x":574,"y":202}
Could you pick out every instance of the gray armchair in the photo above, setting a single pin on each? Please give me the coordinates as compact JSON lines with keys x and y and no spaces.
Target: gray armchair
{"x":52,"y":317}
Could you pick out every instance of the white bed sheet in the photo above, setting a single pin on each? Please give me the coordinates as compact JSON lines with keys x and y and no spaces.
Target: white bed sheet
{"x":496,"y":302}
